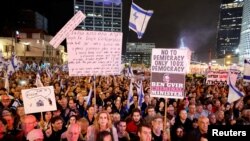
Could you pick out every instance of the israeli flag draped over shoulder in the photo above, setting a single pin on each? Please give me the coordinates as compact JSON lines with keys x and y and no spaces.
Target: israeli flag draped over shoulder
{"x":246,"y":76}
{"x":139,"y":19}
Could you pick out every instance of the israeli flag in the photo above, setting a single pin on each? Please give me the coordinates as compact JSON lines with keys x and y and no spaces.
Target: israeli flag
{"x":139,"y":19}
{"x":234,"y":93}
{"x":246,"y":75}
{"x":141,"y":94}
{"x":130,"y":95}
{"x":130,"y":71}
{"x":38,"y":82}
{"x":14,"y":61}
{"x":89,"y":97}
{"x":10,"y":69}
{"x":6,"y":82}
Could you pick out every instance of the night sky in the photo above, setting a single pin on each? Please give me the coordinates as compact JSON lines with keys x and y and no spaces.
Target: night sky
{"x":193,"y":20}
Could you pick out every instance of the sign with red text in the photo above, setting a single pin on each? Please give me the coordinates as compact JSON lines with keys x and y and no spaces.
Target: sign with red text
{"x":168,"y":70}
{"x":217,"y":77}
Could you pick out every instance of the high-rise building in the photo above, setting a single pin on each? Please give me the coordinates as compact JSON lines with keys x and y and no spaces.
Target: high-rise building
{"x":101,"y":15}
{"x":229,"y":27}
{"x":244,"y":46}
{"x":139,"y":53}
{"x":32,"y":20}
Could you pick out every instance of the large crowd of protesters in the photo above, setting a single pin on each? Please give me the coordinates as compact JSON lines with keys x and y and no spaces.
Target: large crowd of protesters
{"x":107,"y":116}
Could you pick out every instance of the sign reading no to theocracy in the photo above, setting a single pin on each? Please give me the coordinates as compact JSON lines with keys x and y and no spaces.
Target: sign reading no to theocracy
{"x":168,"y":70}
{"x":94,"y":53}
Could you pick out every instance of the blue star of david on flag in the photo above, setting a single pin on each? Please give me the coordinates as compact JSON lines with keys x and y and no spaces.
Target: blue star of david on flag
{"x":139,"y":19}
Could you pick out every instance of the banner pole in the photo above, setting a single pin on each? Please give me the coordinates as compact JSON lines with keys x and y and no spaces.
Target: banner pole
{"x":165,"y":117}
{"x":95,"y":91}
{"x":166,"y":130}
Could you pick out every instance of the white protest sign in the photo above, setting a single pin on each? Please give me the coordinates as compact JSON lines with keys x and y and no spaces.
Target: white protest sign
{"x":170,"y":60}
{"x":217,"y":77}
{"x":39,"y":99}
{"x":67,"y":29}
{"x":168,"y":70}
{"x":94,"y":53}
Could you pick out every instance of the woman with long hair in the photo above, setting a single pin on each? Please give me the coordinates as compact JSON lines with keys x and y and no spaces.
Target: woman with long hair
{"x":102,"y":122}
{"x":44,"y":123}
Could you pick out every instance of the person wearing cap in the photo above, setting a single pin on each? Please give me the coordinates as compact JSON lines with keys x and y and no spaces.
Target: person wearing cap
{"x":157,"y":127}
{"x":35,"y":135}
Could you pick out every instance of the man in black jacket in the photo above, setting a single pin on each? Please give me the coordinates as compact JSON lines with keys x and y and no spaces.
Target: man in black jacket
{"x":54,"y":133}
{"x":201,"y":131}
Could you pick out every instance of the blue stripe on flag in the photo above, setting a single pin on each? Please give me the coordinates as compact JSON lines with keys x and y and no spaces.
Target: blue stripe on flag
{"x":13,"y":62}
{"x":131,"y":99}
{"x":235,"y":90}
{"x":148,"y":13}
{"x":246,"y":61}
{"x":246,"y":77}
{"x":131,"y":25}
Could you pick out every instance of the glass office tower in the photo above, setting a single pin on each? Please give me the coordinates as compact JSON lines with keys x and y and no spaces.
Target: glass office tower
{"x":229,"y":27}
{"x":244,"y":46}
{"x":102,"y":15}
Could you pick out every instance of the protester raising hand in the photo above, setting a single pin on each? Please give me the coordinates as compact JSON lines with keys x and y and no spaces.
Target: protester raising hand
{"x":48,"y":132}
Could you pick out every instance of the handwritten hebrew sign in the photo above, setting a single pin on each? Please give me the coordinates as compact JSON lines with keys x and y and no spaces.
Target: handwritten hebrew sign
{"x":39,"y":99}
{"x":217,"y":77}
{"x":94,"y":53}
{"x":67,"y":29}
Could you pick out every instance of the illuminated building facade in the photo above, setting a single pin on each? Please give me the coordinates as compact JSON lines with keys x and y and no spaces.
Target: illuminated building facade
{"x":101,"y":15}
{"x":229,"y":27}
{"x":244,"y":46}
